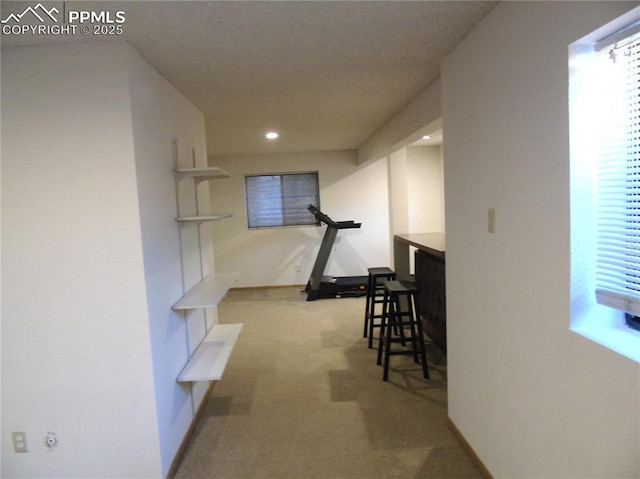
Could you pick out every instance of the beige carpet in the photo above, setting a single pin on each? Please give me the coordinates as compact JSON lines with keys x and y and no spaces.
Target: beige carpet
{"x":302,"y":397}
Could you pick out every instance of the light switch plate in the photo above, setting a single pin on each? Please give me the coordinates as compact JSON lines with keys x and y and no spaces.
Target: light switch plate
{"x":491,"y":220}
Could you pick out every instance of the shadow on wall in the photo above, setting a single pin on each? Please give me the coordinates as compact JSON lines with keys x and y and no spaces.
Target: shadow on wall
{"x":303,"y":244}
{"x":351,"y":261}
{"x":264,"y":251}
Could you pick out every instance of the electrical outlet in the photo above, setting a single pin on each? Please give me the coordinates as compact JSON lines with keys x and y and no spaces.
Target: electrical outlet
{"x":19,"y":442}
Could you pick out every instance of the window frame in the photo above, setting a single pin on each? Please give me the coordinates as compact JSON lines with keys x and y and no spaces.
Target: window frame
{"x":602,"y":324}
{"x":293,"y":208}
{"x":618,"y":180}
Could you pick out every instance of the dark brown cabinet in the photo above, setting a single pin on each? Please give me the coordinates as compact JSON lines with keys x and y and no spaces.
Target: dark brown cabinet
{"x":429,"y":267}
{"x":430,"y":278}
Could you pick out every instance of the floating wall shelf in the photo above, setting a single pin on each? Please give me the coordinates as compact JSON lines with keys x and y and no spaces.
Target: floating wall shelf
{"x":208,"y":293}
{"x":203,"y":219}
{"x":209,"y":173}
{"x":208,"y":361}
{"x":211,"y":357}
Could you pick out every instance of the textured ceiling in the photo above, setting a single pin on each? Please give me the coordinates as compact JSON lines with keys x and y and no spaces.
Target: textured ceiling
{"x":325,"y":74}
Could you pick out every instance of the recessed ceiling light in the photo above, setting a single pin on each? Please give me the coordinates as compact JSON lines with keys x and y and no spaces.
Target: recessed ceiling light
{"x":426,"y":137}
{"x":272,"y":135}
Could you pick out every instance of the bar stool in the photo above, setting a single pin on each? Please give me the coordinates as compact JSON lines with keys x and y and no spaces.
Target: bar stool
{"x":375,"y":295}
{"x":399,"y":295}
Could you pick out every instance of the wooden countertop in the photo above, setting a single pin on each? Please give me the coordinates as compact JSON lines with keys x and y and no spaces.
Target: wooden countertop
{"x":433,"y":243}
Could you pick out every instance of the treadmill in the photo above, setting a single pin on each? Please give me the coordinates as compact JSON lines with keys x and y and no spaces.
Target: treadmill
{"x":322,"y":287}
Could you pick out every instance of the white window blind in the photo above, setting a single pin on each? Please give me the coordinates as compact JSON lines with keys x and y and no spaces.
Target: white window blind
{"x":618,"y":184}
{"x":281,"y":199}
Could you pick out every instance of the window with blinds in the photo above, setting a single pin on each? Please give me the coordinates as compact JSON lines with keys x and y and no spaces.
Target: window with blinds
{"x":618,"y":173}
{"x":282,"y":199}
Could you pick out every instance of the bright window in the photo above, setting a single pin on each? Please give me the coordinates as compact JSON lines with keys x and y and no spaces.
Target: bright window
{"x":604,"y":92}
{"x":618,"y":175}
{"x":281,"y":199}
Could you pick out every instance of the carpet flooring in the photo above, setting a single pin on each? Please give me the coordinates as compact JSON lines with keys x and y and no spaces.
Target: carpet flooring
{"x":302,"y":397}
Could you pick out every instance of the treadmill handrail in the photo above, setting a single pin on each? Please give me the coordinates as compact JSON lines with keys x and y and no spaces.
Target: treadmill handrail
{"x":329,"y":222}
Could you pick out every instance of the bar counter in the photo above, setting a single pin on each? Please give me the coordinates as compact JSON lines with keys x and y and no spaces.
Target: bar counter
{"x":431,"y":243}
{"x":430,"y":278}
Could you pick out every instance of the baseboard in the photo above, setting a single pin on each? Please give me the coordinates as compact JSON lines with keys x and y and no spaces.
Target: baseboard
{"x":187,"y":437}
{"x":277,"y":286}
{"x":469,"y":450}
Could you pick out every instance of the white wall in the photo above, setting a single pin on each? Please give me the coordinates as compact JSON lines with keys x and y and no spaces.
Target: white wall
{"x":406,"y":126}
{"x":269,"y":257}
{"x":75,"y":345}
{"x":161,"y":114}
{"x":416,"y":192}
{"x":532,"y":398}
{"x":91,"y":348}
{"x":398,"y":172}
{"x":425,"y":189}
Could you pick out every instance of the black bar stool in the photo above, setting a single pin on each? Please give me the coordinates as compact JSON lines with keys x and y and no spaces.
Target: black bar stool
{"x":375,"y":295}
{"x":399,"y":295}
